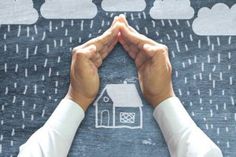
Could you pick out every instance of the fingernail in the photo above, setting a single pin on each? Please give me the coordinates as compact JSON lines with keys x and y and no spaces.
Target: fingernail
{"x":122,"y":15}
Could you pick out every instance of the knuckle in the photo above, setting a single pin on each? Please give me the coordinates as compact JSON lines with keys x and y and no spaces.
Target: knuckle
{"x":77,"y":54}
{"x":162,"y":51}
{"x":74,"y":50}
{"x":98,"y":62}
{"x":164,"y":48}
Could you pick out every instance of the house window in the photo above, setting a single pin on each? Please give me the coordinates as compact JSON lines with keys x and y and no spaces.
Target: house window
{"x":127,"y":117}
{"x":106,"y":99}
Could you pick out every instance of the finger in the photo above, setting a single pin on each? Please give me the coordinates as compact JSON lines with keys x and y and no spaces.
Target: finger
{"x":102,"y":40}
{"x":108,"y":48}
{"x":112,"y":32}
{"x":98,"y":62}
{"x":135,"y":37}
{"x":133,"y":49}
{"x":127,"y":46}
{"x":132,"y":29}
{"x":149,"y":50}
{"x":115,"y":20}
{"x":88,"y":52}
{"x":132,"y":37}
{"x":140,"y":59}
{"x":124,"y":44}
{"x":95,"y":57}
{"x":152,"y":50}
{"x":106,"y":37}
{"x":108,"y":40}
{"x":122,"y":19}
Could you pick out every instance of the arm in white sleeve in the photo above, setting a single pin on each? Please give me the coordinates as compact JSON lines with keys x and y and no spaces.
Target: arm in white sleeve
{"x":183,"y":137}
{"x":55,"y":137}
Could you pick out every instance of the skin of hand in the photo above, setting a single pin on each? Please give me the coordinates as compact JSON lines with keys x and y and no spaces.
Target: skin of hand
{"x":152,"y":62}
{"x":86,"y":59}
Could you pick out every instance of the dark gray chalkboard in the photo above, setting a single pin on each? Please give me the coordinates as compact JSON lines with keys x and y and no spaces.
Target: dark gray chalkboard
{"x":34,"y":77}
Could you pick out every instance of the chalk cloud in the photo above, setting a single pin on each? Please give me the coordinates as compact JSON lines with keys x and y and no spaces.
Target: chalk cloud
{"x":68,"y":9}
{"x":220,"y":20}
{"x":172,"y":9}
{"x":123,"y":5}
{"x":17,"y":12}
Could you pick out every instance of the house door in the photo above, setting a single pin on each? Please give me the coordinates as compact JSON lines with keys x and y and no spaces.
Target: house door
{"x":105,"y":118}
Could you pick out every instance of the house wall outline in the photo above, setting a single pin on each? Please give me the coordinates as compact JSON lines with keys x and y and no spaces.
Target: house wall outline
{"x":134,"y":101}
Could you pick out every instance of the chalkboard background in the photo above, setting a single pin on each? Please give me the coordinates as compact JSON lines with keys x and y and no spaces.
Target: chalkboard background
{"x":34,"y":77}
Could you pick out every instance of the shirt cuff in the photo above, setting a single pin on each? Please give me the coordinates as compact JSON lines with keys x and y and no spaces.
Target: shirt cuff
{"x":173,"y":119}
{"x":66,"y":118}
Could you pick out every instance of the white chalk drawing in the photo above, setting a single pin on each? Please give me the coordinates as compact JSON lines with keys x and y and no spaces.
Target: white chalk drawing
{"x":119,"y":106}
{"x":131,"y":80}
{"x":172,"y":9}
{"x":211,"y":71}
{"x":124,"y":5}
{"x":17,"y":12}
{"x":68,"y":9}
{"x":219,"y":20}
{"x":127,"y":117}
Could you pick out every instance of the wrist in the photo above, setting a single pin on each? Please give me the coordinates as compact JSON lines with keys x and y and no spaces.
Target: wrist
{"x":155,"y":101}
{"x":82,"y":103}
{"x":79,"y":99}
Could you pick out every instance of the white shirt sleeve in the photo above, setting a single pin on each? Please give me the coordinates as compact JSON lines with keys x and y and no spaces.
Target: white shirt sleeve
{"x":55,"y":137}
{"x":183,"y":137}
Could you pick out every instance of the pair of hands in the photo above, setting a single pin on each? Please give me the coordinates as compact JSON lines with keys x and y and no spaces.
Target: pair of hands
{"x":151,"y":59}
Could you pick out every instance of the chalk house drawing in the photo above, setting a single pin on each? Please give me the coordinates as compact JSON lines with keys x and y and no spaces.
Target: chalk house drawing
{"x":119,"y":106}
